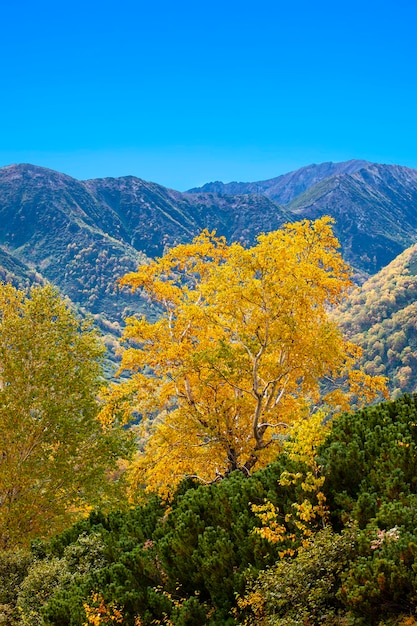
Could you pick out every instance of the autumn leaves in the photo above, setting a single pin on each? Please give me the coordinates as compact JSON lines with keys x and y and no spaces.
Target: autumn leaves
{"x":238,"y":355}
{"x":55,"y":456}
{"x":242,"y":351}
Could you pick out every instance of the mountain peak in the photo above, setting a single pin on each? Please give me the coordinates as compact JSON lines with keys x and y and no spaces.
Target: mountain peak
{"x":284,"y":188}
{"x":29,"y":172}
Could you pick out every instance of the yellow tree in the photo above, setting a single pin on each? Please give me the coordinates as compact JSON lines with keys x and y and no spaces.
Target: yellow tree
{"x":240,"y":351}
{"x":55,"y":454}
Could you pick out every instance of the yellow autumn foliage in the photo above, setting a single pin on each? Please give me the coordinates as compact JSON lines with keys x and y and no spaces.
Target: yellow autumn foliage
{"x":98,"y":612}
{"x":239,"y":353}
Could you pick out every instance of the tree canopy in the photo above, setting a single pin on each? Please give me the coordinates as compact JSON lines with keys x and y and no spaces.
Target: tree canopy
{"x":54,"y":452}
{"x":239,"y":353}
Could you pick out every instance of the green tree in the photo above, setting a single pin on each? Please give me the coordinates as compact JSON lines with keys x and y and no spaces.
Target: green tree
{"x":369,"y":464}
{"x":380,"y":442}
{"x":55,"y":455}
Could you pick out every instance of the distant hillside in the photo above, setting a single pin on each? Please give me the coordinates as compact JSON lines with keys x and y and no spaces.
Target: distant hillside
{"x":152,"y":217}
{"x":51,"y":224}
{"x":17,"y":273}
{"x":375,"y":206}
{"x":285,"y":188}
{"x":83,"y":236}
{"x":381,"y":317}
{"x":375,"y":210}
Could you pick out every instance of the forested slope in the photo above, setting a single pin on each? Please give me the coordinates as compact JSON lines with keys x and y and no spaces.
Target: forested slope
{"x":381,"y":317}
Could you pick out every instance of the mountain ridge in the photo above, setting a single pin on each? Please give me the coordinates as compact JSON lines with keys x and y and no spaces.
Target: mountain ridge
{"x":83,"y":235}
{"x":286,"y":187}
{"x":375,"y":209}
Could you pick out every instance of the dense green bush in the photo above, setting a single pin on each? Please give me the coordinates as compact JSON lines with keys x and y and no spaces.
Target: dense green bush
{"x":187,"y":564}
{"x":302,"y":590}
{"x":14,"y":565}
{"x":365,"y":573}
{"x":382,"y":581}
{"x":369,"y":459}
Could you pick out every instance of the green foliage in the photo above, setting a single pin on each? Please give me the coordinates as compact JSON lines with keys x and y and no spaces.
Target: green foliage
{"x":369,"y":463}
{"x":185,"y":564}
{"x":43,"y":578}
{"x":201,"y":561}
{"x":80,"y":558}
{"x":14,"y":565}
{"x":124,"y":570}
{"x":369,"y":459}
{"x":302,"y":590}
{"x":55,"y":454}
{"x":207,"y":542}
{"x":382,"y":581}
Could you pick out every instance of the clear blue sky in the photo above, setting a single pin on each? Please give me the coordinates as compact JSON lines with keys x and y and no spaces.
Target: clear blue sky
{"x":182,"y":92}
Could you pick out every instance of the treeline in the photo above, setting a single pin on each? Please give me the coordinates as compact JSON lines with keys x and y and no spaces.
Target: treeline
{"x":204,"y":559}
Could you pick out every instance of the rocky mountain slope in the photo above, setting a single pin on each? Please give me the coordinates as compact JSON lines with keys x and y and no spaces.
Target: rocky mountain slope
{"x":52,"y":225}
{"x":151,"y":216}
{"x":375,"y":206}
{"x":285,"y":188}
{"x":83,"y":236}
{"x":375,"y":210}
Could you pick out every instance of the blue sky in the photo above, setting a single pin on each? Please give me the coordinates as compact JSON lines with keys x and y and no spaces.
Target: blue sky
{"x":183,"y":92}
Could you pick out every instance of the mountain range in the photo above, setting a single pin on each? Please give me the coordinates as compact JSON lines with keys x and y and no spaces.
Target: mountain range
{"x":286,"y":187}
{"x":83,"y":235}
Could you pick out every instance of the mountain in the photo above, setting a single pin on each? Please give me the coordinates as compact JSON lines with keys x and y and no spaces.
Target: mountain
{"x":83,"y":235}
{"x":17,"y":273}
{"x":285,"y":188}
{"x":51,"y":224}
{"x":381,"y":317}
{"x":374,"y":206}
{"x":152,"y":216}
{"x":375,"y":210}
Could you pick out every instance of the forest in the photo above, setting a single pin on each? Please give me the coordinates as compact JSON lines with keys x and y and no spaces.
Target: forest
{"x":247,"y":467}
